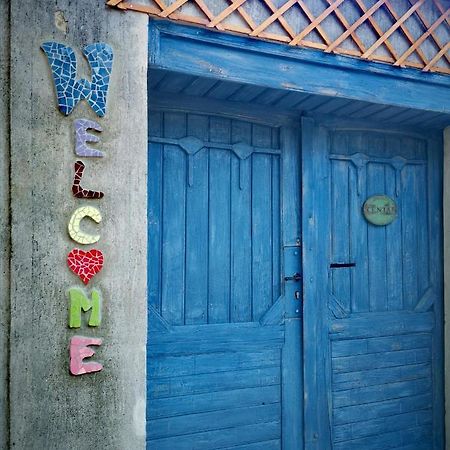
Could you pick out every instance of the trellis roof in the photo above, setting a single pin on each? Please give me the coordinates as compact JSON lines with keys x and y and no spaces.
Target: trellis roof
{"x":404,"y":33}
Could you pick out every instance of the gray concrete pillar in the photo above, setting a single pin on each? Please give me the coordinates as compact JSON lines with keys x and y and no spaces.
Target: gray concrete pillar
{"x":4,"y":224}
{"x":51,"y":409}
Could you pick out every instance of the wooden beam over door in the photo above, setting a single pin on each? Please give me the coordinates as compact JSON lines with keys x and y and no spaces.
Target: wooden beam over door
{"x":206,"y":53}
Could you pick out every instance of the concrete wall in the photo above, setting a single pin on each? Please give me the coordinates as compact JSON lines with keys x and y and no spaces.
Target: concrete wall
{"x":447,"y":279}
{"x":51,"y":409}
{"x":4,"y":222}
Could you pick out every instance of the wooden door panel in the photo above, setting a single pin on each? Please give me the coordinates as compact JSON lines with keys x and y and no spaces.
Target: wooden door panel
{"x":223,"y":367}
{"x":380,"y":338}
{"x":218,"y":217}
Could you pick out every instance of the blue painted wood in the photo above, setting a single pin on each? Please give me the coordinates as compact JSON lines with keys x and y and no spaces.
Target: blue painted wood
{"x":435,"y":220}
{"x":292,"y":414}
{"x":219,"y":224}
{"x":262,"y":233}
{"x":394,"y":280}
{"x":378,"y":361}
{"x":222,"y":438}
{"x":316,"y":243}
{"x":226,"y":57}
{"x":380,"y":344}
{"x":155,"y":182}
{"x":350,"y":380}
{"x":219,"y":377}
{"x":289,"y":101}
{"x":385,"y":359}
{"x":386,"y":408}
{"x":241,"y":228}
{"x":213,"y":401}
{"x":173,"y":236}
{"x":387,"y":440}
{"x":193,"y":364}
{"x":373,"y":394}
{"x":208,"y":421}
{"x":218,"y":381}
{"x":383,"y":425}
{"x":197,"y":227}
{"x":385,"y":353}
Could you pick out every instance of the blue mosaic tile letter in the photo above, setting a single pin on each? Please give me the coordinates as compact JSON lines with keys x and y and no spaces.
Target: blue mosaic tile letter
{"x":69,"y":90}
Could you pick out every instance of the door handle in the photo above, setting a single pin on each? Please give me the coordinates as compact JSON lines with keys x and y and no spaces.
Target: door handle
{"x":295,"y":277}
{"x":342,"y":265}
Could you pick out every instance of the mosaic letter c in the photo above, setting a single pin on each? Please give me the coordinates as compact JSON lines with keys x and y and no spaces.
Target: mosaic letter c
{"x":74,"y":227}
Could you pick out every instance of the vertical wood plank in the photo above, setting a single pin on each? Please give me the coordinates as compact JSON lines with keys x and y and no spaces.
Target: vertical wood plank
{"x":196,"y":309}
{"x":241,"y":232}
{"x":262,"y":291}
{"x":276,"y":232}
{"x":422,"y":212}
{"x":344,"y":143}
{"x":394,"y":276}
{"x":315,"y":146}
{"x":435,"y":219}
{"x":219,"y":223}
{"x":292,"y":354}
{"x":261,"y":234}
{"x":409,"y":242}
{"x":340,"y":231}
{"x":174,"y":199}
{"x":376,"y":243}
{"x":155,"y":177}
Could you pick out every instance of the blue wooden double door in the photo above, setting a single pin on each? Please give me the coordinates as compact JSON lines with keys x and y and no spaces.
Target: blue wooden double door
{"x":255,"y":339}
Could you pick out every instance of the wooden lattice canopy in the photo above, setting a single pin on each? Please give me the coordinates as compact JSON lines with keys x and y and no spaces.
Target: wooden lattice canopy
{"x":405,"y":33}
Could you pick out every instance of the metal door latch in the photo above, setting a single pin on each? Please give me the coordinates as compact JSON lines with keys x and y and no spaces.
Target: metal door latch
{"x":342,"y":265}
{"x":295,"y":277}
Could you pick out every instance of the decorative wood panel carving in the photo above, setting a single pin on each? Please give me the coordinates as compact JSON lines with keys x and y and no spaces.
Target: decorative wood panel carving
{"x":405,"y":33}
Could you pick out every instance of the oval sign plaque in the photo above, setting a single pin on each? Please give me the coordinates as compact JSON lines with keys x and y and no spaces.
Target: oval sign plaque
{"x":380,"y":210}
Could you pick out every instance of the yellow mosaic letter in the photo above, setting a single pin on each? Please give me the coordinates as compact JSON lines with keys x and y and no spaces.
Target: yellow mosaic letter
{"x":74,"y":227}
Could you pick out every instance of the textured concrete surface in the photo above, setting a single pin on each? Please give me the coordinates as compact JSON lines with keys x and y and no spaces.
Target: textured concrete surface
{"x":447,"y":279}
{"x":51,"y":409}
{"x":4,"y":222}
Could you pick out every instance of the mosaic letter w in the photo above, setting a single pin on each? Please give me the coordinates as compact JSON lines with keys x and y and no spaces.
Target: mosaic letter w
{"x":69,"y":90}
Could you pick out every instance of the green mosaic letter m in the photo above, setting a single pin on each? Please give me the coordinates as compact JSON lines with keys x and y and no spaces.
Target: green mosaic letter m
{"x":78,"y":302}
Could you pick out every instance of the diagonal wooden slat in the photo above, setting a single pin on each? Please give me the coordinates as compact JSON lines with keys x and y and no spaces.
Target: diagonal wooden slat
{"x":138,"y":8}
{"x":377,"y":29}
{"x":316,"y":22}
{"x":311,"y":18}
{"x":246,"y":17}
{"x":437,"y":57}
{"x":362,"y":19}
{"x":405,"y":30}
{"x":393,"y":28}
{"x":172,"y":8}
{"x":346,"y":25}
{"x":283,"y":22}
{"x":441,"y":9}
{"x":427,"y":26}
{"x":226,"y":12}
{"x":421,"y":40}
{"x":206,"y":11}
{"x":161,"y":4}
{"x":273,"y":17}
